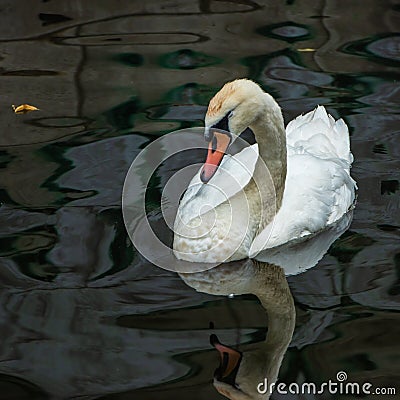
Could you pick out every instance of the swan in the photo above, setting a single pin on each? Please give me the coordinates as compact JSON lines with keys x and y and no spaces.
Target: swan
{"x":292,"y":183}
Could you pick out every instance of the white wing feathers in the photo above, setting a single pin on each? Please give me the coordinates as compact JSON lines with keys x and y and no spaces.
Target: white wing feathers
{"x":318,"y":189}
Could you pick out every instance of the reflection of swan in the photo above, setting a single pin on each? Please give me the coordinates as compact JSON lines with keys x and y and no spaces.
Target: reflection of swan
{"x":244,"y":209}
{"x":240,"y":373}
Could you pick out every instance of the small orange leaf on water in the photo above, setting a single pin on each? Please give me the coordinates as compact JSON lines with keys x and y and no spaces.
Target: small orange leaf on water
{"x":24,"y":108}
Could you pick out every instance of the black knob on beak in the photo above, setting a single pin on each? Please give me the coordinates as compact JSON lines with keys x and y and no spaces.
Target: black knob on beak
{"x":221,"y":125}
{"x":208,"y":135}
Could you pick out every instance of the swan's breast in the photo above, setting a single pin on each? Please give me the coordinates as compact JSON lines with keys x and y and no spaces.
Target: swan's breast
{"x":220,"y":234}
{"x":216,"y":222}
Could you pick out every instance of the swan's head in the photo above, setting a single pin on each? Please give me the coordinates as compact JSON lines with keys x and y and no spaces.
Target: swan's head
{"x":241,"y":375}
{"x":233,"y":109}
{"x":235,"y":106}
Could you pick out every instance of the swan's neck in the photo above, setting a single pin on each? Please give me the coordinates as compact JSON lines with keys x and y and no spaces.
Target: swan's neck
{"x":281,"y":325}
{"x":269,"y":131}
{"x":279,"y":305}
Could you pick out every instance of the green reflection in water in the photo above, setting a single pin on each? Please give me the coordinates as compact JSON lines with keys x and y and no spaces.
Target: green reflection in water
{"x":381,"y":48}
{"x":53,"y":154}
{"x":31,"y":250}
{"x":187,"y":59}
{"x":129,"y":59}
{"x":122,"y":115}
{"x":121,"y":252}
{"x":348,"y":245}
{"x":191,"y":93}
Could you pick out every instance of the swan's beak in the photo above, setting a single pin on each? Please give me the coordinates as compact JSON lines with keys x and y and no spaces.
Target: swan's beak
{"x":216,"y":150}
{"x":230,"y":362}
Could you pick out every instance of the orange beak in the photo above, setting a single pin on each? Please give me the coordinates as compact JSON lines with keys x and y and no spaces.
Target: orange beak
{"x":230,"y":361}
{"x":216,"y":151}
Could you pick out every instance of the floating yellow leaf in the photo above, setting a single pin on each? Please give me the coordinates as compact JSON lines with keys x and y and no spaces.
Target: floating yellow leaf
{"x":24,"y":108}
{"x":307,"y":49}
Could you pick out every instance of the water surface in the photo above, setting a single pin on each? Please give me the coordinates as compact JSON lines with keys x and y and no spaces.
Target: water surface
{"x":83,"y":315}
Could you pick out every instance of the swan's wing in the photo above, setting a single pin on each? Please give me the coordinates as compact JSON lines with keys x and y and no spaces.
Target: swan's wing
{"x":233,"y":175}
{"x":319,"y":189}
{"x":304,"y":253}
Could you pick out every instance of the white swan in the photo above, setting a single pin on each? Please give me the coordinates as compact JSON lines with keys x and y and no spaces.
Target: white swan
{"x":289,"y":185}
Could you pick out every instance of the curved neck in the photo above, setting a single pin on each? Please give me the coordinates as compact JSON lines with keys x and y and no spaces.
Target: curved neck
{"x":269,"y":131}
{"x":276,"y":298}
{"x":274,"y":293}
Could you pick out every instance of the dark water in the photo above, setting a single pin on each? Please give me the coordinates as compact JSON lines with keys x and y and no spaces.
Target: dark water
{"x":82,"y":314}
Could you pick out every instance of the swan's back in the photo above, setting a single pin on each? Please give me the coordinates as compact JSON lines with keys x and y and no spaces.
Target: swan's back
{"x":319,"y":189}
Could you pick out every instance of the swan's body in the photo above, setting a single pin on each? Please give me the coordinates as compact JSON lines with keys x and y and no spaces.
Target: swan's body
{"x":247,"y":208}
